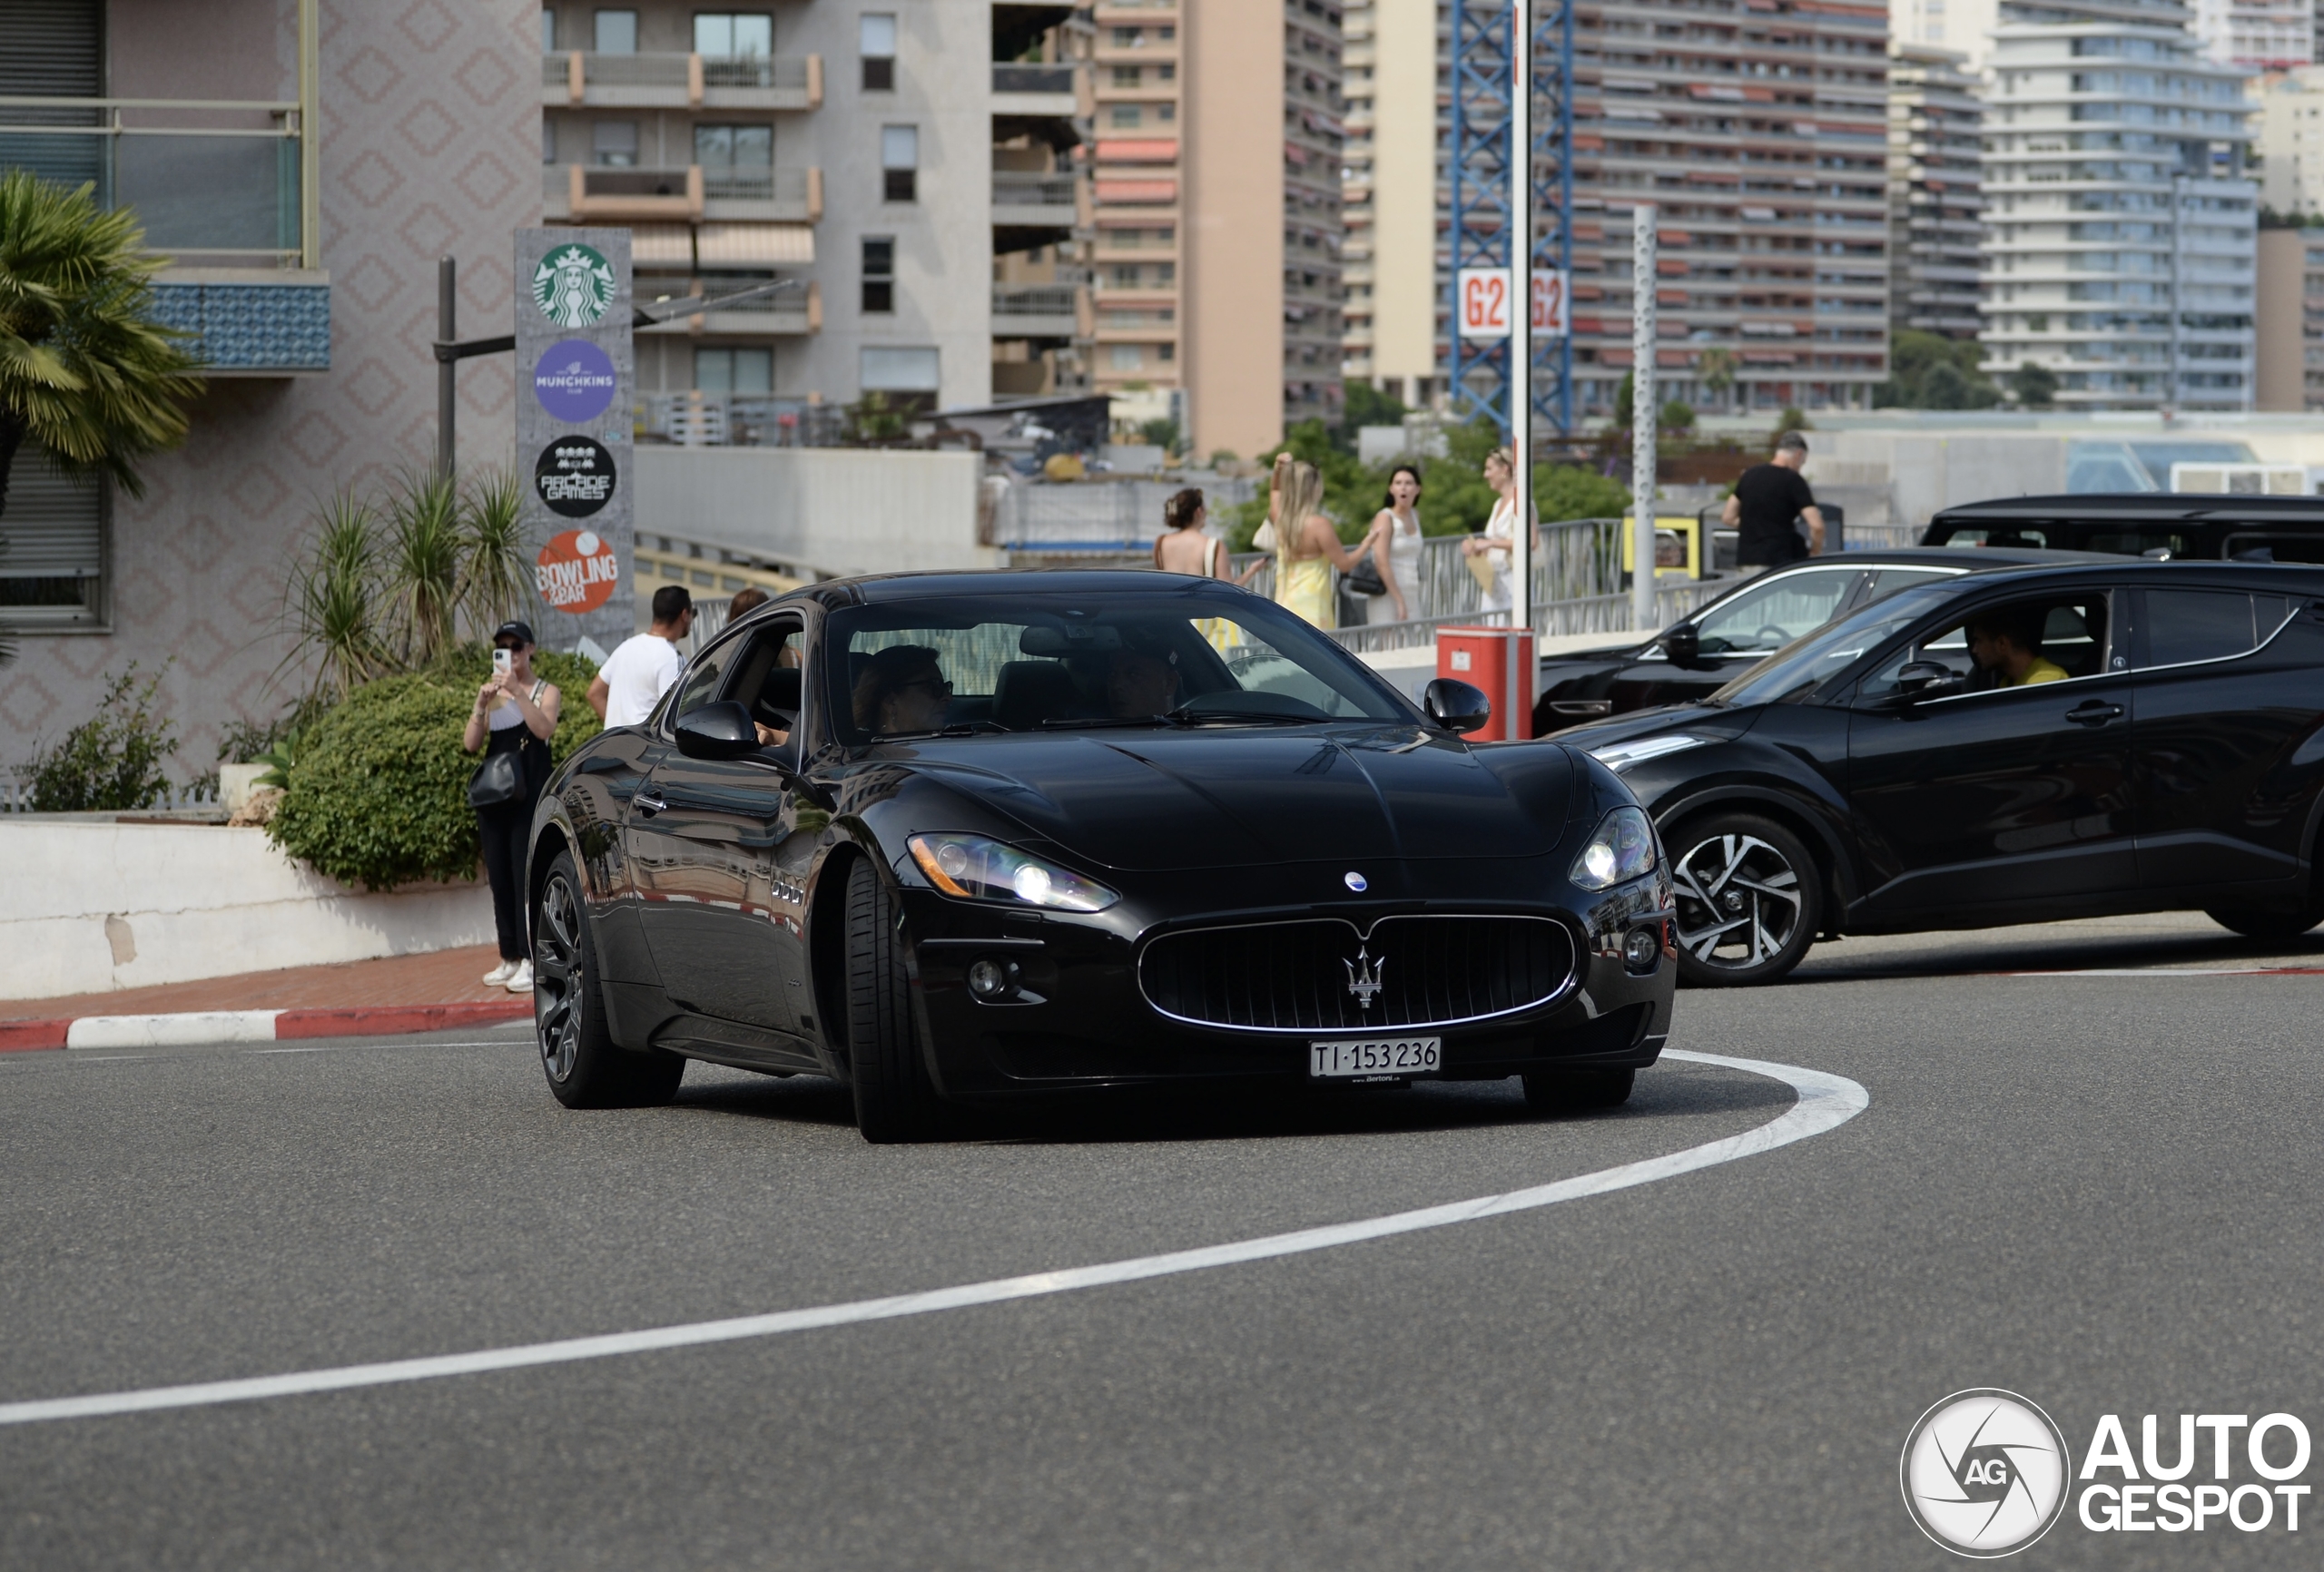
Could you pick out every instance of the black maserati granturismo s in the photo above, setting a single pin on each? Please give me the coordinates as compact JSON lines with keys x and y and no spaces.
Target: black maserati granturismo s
{"x":958,"y":838}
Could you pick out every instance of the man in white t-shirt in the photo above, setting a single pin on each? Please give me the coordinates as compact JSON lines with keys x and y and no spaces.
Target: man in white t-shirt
{"x":635,"y":676}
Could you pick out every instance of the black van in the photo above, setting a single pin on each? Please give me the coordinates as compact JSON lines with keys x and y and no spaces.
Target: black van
{"x":2143,"y":524}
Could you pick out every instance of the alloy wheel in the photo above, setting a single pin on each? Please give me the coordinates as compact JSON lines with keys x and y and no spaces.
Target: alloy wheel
{"x":557,"y":979}
{"x":1739,"y":901}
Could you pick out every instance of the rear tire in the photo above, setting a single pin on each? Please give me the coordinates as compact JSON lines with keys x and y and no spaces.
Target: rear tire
{"x":1750,"y":899}
{"x":586,"y":1067}
{"x":895,"y":1100}
{"x":1578,"y":1091}
{"x":2257,"y":923}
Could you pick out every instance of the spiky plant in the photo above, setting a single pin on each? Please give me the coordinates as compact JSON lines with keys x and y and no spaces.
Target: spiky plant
{"x":492,"y":565}
{"x":332,"y":603}
{"x":420,"y":562}
{"x":86,"y":372}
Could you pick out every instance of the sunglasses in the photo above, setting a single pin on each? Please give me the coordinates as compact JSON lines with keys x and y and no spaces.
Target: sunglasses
{"x":934,"y":683}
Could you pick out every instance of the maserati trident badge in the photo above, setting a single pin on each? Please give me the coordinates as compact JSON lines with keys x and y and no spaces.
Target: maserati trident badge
{"x":1363,"y":977}
{"x":1355,"y":882}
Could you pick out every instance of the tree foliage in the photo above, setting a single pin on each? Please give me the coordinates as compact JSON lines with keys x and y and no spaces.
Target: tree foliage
{"x":111,"y":761}
{"x":377,"y":796}
{"x":2032,"y":386}
{"x":1931,"y":371}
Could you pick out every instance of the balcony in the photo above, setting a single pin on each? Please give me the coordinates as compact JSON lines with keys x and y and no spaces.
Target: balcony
{"x":594,"y":194}
{"x":787,"y":315}
{"x":1037,"y":311}
{"x":218,"y":187}
{"x":578,"y":81}
{"x":1037,"y":92}
{"x":1032,"y":209}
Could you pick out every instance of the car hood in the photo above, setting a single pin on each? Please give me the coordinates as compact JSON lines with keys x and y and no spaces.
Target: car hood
{"x":1700,"y":720}
{"x":1141,"y":800}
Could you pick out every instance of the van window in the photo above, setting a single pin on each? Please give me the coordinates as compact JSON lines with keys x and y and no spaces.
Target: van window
{"x":2195,"y":625}
{"x":2008,"y":535}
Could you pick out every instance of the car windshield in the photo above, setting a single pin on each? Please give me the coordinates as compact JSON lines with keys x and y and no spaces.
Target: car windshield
{"x":1795,"y":671}
{"x":1046,"y":661}
{"x":1770,"y":614}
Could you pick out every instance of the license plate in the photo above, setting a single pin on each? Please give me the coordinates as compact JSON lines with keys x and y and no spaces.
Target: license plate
{"x":1371,"y":1057}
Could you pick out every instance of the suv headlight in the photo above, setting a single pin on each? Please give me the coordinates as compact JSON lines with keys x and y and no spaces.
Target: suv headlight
{"x":977,"y":868}
{"x":1622,"y":849}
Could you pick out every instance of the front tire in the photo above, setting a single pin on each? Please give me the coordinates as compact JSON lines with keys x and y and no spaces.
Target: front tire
{"x":895,"y":1100}
{"x":586,"y":1067}
{"x":2259,"y":923}
{"x":1749,"y":898}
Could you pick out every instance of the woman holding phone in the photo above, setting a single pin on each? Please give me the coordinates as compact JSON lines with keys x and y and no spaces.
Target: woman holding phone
{"x":513,"y":719}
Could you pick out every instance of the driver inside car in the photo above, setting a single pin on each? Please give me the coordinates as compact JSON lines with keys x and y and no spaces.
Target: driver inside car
{"x":2007,"y":642}
{"x":902,"y":689}
{"x":1139,"y":685}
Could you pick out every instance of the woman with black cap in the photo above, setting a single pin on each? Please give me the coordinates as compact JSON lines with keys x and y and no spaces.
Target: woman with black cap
{"x":517,"y":713}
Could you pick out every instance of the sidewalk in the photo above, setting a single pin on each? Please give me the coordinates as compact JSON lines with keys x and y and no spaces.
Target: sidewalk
{"x":397,"y":994}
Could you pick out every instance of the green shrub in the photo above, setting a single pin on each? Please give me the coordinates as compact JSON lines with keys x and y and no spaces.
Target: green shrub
{"x":110,"y":762}
{"x":377,"y":795}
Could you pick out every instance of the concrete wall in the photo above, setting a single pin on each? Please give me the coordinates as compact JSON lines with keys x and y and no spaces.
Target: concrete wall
{"x":835,"y":510}
{"x":430,"y":144}
{"x":95,"y":906}
{"x":1232,"y":236}
{"x":2280,"y":315}
{"x":1403,"y":184}
{"x":1926,"y":473}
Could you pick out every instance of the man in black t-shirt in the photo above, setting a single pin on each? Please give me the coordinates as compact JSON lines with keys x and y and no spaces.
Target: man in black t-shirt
{"x":1765,"y":500}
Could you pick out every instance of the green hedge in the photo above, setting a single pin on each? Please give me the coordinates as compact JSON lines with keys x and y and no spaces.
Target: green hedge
{"x":378,"y":795}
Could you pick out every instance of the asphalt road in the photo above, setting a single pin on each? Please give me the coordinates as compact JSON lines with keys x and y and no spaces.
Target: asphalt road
{"x":2098,"y":1190}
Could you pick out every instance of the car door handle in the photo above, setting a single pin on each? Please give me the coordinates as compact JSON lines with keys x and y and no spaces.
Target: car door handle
{"x":2096,"y":713}
{"x":647,"y":804}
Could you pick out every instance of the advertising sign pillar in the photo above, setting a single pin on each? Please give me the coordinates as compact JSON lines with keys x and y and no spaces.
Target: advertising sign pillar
{"x":576,"y":370}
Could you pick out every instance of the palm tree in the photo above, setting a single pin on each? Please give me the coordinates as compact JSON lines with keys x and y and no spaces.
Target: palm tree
{"x":1716,"y":369}
{"x":86,"y":372}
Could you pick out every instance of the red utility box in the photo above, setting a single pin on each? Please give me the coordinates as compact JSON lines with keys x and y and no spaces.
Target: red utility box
{"x":1480,"y":657}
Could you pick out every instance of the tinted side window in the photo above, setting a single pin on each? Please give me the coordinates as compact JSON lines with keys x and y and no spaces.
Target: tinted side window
{"x":699,"y":680}
{"x":2191,"y":624}
{"x":2018,"y":643}
{"x":1887,"y":581}
{"x":2007,"y":535}
{"x":1769,"y":615}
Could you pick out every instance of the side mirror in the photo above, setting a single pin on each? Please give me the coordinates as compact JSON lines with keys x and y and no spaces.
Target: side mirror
{"x":1924,"y":680}
{"x":1683,"y":644}
{"x":720,"y":731}
{"x":1455,"y":706}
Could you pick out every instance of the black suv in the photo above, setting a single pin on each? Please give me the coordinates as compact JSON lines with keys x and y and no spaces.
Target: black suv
{"x":2142,"y":523}
{"x":2017,"y":746}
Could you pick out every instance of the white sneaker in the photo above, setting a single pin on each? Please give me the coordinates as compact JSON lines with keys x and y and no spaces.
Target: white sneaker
{"x":500,"y":974}
{"x":521,"y":982}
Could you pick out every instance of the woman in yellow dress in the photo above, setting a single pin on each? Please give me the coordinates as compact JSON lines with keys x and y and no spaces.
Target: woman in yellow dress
{"x":1307,"y":550}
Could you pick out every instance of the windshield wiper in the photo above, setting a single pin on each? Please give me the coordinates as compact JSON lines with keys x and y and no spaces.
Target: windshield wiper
{"x":1092,"y":723}
{"x":964,"y":729}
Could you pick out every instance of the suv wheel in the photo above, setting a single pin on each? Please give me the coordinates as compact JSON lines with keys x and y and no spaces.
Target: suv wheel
{"x":1749,"y":898}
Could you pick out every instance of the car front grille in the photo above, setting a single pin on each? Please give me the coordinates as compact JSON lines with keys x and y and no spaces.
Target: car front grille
{"x":1304,"y":977}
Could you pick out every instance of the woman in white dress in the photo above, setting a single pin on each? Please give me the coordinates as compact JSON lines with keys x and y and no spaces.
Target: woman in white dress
{"x":1500,"y":531}
{"x":1394,"y":545}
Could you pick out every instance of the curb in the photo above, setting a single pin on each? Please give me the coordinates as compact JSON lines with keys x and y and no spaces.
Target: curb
{"x":192,"y":1027}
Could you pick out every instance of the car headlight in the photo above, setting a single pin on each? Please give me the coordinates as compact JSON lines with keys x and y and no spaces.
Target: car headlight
{"x":1621,"y":850}
{"x":977,"y":868}
{"x":1620,"y":756}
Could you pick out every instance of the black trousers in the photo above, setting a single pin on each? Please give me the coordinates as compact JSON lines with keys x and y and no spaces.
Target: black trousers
{"x":502,"y":829}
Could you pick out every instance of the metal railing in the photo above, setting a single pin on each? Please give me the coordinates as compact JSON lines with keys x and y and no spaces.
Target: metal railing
{"x":676,"y":71}
{"x":1035,"y":300}
{"x":1023,"y":188}
{"x":209,"y":179}
{"x":1012,"y":78}
{"x":738,"y":421}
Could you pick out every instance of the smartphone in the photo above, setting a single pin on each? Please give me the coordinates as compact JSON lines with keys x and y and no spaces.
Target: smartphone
{"x":503,"y":659}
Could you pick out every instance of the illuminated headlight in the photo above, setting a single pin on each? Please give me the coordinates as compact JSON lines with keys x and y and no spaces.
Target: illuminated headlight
{"x":975,"y":868}
{"x":1621,"y":850}
{"x":1620,"y":756}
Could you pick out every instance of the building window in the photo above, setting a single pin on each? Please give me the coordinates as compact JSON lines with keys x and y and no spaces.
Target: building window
{"x":1165,"y":353}
{"x":52,"y":575}
{"x":878,"y":273}
{"x":1166,"y":112}
{"x":616,"y":33}
{"x":1167,"y":72}
{"x":614,"y":144}
{"x":887,"y":369}
{"x":1125,"y":75}
{"x":749,"y":372}
{"x":548,"y":140}
{"x":548,"y":31}
{"x":1124,"y":357}
{"x":878,"y":47}
{"x":734,"y":34}
{"x":899,"y":163}
{"x":1123,"y":114}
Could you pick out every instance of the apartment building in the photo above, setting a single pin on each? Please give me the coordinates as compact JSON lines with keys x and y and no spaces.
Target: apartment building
{"x":2272,"y":34}
{"x":2290,"y":309}
{"x":302,"y":165}
{"x":1391,"y":204}
{"x":911,"y":167}
{"x":1935,"y":203}
{"x":1217,"y":212}
{"x":2121,"y":236}
{"x":2290,"y":142}
{"x":1760,"y":133}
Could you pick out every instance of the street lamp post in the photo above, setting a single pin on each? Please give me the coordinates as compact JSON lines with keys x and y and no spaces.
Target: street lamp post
{"x":1643,"y":414}
{"x":1519,"y":688}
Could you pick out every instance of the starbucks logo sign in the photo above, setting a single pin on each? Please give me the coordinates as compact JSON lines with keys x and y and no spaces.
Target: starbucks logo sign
{"x":573,"y":286}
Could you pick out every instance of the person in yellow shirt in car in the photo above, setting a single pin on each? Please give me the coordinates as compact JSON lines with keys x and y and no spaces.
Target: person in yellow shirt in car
{"x":2007,"y":642}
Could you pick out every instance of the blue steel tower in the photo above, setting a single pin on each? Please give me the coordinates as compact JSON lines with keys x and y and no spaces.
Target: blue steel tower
{"x":1482,"y":56}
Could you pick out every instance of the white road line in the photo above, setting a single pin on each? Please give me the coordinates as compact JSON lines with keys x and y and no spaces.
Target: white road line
{"x":1826,"y":1102}
{"x":2178,"y":971}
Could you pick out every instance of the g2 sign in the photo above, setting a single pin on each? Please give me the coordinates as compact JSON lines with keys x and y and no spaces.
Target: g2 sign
{"x":1481,"y":296}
